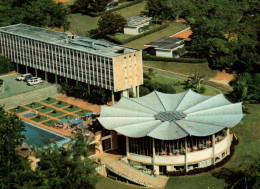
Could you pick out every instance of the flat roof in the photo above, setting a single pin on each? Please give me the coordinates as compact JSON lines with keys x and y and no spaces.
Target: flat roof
{"x":68,"y":40}
{"x":165,"y":43}
{"x":134,"y":21}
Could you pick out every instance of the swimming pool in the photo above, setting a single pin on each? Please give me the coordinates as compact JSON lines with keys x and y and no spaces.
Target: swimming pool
{"x":39,"y":137}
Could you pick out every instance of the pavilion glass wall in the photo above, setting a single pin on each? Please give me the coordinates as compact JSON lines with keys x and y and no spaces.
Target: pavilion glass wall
{"x":141,"y":146}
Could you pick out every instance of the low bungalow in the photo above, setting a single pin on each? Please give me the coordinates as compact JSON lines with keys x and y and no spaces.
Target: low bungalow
{"x":135,"y":24}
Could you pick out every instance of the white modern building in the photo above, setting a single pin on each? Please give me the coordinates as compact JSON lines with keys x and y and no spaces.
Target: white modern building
{"x":109,"y":66}
{"x":172,"y":132}
{"x":135,"y":24}
{"x":165,"y":46}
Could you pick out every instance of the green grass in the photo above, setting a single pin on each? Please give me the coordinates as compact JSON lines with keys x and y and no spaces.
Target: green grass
{"x":248,"y":133}
{"x":45,"y":109}
{"x":61,"y":105}
{"x":50,"y":101}
{"x":170,"y":30}
{"x":72,"y":109}
{"x":210,"y":91}
{"x":39,"y":119}
{"x":183,"y":68}
{"x":67,"y":117}
{"x":57,"y":114}
{"x":80,"y":24}
{"x":19,"y":110}
{"x":82,"y":113}
{"x":51,"y":122}
{"x":34,"y":105}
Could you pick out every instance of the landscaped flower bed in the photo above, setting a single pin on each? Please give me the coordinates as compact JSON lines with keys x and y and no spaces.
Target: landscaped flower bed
{"x":50,"y":123}
{"x":39,"y":118}
{"x":18,"y":109}
{"x":45,"y":109}
{"x":50,"y":100}
{"x":82,"y":113}
{"x":72,"y":108}
{"x":56,"y":113}
{"x":34,"y":105}
{"x":67,"y":117}
{"x":60,"y":104}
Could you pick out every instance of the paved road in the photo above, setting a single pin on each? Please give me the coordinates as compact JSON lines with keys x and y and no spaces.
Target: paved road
{"x":29,"y":97}
{"x":225,"y":89}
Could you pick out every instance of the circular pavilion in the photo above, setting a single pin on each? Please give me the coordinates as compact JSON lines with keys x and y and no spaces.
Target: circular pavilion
{"x":171,"y":132}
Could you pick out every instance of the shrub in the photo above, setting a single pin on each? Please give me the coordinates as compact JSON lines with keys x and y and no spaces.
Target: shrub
{"x":169,"y":59}
{"x":71,"y":106}
{"x":60,"y":102}
{"x":54,"y":111}
{"x":49,"y":98}
{"x":123,"y":41}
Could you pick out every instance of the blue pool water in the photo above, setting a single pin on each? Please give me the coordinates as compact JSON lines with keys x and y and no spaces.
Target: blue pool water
{"x":40,"y":137}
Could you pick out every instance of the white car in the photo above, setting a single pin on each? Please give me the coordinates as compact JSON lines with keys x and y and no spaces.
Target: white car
{"x":23,"y":77}
{"x":34,"y":81}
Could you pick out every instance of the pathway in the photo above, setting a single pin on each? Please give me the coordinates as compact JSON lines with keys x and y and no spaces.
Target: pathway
{"x":225,"y":89}
{"x":28,"y":97}
{"x":114,"y":164}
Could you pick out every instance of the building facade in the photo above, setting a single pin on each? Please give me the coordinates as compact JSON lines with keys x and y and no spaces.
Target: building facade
{"x":94,"y":62}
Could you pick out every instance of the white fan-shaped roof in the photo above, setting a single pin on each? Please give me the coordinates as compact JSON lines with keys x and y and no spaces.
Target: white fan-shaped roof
{"x":171,"y":116}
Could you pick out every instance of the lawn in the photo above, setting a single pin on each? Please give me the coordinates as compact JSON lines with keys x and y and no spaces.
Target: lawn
{"x":34,"y":105}
{"x":72,"y":108}
{"x":67,"y":117}
{"x":248,"y":133}
{"x":45,"y":109}
{"x":56,"y":114}
{"x":50,"y":101}
{"x":39,"y":118}
{"x":183,"y":68}
{"x":210,"y":91}
{"x":60,"y":104}
{"x":51,"y":122}
{"x":170,"y":30}
{"x":18,"y":110}
{"x":82,"y":113}
{"x":80,"y":24}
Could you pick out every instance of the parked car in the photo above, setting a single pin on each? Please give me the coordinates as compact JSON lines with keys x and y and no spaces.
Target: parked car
{"x":34,"y":81}
{"x":30,"y":78}
{"x":23,"y":77}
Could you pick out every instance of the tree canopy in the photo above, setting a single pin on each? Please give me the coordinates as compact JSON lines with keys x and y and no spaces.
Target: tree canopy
{"x":5,"y":65}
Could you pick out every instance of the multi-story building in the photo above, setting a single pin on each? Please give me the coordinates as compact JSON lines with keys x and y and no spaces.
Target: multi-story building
{"x":94,"y":62}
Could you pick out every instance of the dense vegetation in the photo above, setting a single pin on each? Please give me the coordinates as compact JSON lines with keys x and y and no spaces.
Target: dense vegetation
{"x":226,"y":33}
{"x":33,"y":12}
{"x":59,"y":167}
{"x":5,"y":65}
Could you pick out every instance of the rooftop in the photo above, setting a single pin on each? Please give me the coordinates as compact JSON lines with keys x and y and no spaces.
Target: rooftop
{"x":67,"y":40}
{"x":165,"y":43}
{"x":134,"y":21}
{"x":171,"y":116}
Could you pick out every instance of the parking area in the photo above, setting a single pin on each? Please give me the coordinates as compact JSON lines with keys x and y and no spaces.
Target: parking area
{"x":13,"y":87}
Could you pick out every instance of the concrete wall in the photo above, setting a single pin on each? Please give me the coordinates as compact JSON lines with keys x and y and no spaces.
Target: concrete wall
{"x":128,"y":71}
{"x":163,"y":53}
{"x":131,"y":31}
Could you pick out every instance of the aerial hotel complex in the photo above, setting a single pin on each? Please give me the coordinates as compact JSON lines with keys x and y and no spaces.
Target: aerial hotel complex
{"x":94,"y":62}
{"x":171,"y":132}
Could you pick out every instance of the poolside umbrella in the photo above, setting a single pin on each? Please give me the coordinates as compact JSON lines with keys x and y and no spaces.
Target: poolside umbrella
{"x":78,"y":121}
{"x":64,"y":120}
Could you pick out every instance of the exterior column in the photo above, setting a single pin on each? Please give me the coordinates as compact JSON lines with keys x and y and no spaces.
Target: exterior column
{"x":26,"y":69}
{"x":46,"y":76}
{"x":186,"y":165}
{"x":56,"y":78}
{"x":127,"y":147}
{"x":77,"y":82}
{"x":17,"y":67}
{"x":36,"y":74}
{"x":88,"y":88}
{"x":213,"y":149}
{"x":137,"y":91}
{"x":66,"y":80}
{"x":134,"y":91}
{"x":125,"y":93}
{"x":98,"y":141}
{"x":113,"y":98}
{"x":154,"y":157}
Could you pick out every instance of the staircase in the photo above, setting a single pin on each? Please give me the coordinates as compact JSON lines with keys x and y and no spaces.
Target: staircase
{"x":113,"y":164}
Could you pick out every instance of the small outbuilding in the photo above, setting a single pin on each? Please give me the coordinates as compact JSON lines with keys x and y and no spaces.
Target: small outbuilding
{"x":165,"y":46}
{"x":135,"y":24}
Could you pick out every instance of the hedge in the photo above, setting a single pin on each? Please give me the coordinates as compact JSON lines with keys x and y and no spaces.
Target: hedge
{"x":169,"y":59}
{"x":205,"y":169}
{"x":121,"y":42}
{"x":96,"y":14}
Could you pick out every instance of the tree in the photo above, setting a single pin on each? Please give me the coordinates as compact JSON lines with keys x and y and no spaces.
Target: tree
{"x":5,"y":65}
{"x":14,"y":170}
{"x":66,"y":167}
{"x":80,"y":4}
{"x":109,"y":23}
{"x":99,"y":5}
